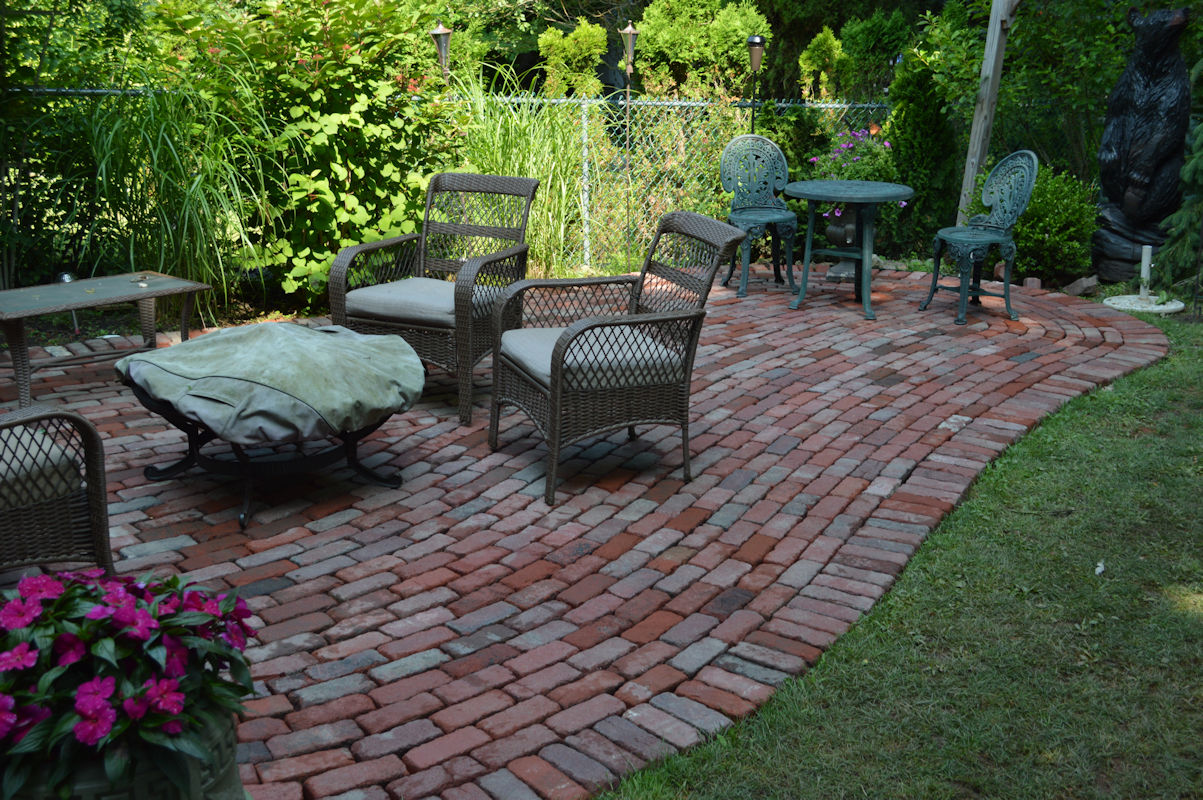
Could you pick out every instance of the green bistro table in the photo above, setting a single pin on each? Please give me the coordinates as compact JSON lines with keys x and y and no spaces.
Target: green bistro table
{"x":863,"y":197}
{"x":17,"y":305}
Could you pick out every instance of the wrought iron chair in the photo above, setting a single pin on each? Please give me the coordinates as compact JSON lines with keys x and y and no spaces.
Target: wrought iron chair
{"x":755,"y":170}
{"x":53,"y":505}
{"x":1006,"y":194}
{"x":584,"y":357}
{"x":437,"y":288}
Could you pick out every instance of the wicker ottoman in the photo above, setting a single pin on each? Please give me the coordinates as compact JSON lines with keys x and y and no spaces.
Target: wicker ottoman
{"x":263,"y":385}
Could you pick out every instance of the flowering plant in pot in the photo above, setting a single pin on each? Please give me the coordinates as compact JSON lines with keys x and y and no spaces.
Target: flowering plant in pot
{"x":125,"y":675}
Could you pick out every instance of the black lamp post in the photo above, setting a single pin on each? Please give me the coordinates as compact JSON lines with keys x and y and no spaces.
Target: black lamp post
{"x":755,"y":54}
{"x":442,"y":43}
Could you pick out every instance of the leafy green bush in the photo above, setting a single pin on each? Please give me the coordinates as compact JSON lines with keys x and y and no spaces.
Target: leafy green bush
{"x":356,"y":86}
{"x":1179,"y":258}
{"x":872,"y":47}
{"x":924,"y":147}
{"x":571,"y":60}
{"x":1052,"y":236}
{"x":821,"y":65}
{"x":697,"y":48}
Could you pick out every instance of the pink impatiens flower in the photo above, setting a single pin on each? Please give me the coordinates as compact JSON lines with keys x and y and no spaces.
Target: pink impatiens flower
{"x":40,"y":587}
{"x":8,"y":717}
{"x":20,"y":657}
{"x":135,"y":707}
{"x":92,"y":728}
{"x":69,"y":648}
{"x":19,"y":613}
{"x":27,"y":717}
{"x":165,"y":695}
{"x":137,"y":623}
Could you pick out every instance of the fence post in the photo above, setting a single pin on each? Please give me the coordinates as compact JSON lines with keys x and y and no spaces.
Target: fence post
{"x":585,"y":183}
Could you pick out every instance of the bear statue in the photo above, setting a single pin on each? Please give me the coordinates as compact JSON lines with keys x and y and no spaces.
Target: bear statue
{"x":1143,"y":145}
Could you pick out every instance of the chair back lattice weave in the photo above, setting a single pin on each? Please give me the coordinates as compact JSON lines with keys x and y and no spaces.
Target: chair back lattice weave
{"x":472,"y":215}
{"x":755,"y":171}
{"x":1007,"y":191}
{"x":681,"y":263}
{"x":53,"y":506}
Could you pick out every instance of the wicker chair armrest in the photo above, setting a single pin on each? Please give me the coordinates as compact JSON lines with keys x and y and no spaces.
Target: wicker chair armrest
{"x":487,"y":277}
{"x":673,"y":335}
{"x":554,"y":303}
{"x":369,"y":264}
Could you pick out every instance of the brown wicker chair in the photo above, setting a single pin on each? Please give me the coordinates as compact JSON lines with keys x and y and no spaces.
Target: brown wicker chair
{"x":53,"y":506}
{"x":584,"y":357}
{"x":437,"y":288}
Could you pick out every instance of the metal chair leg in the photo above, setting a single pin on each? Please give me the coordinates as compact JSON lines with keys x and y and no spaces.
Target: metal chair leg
{"x":937,"y":249}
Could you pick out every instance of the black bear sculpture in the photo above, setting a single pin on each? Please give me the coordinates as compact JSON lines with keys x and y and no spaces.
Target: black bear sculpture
{"x":1143,"y":145}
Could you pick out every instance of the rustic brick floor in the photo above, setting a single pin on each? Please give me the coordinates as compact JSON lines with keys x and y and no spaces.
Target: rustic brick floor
{"x":457,"y":638}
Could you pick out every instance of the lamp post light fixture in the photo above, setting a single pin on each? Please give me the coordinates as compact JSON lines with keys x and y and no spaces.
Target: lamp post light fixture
{"x":442,"y":43}
{"x":755,"y":54}
{"x":628,"y":45}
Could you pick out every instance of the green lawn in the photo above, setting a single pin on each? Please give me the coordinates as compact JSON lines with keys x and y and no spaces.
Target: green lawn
{"x":1045,"y":642}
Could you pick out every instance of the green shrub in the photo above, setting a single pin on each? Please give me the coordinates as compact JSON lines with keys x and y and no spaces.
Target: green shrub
{"x":1052,"y":236}
{"x":821,"y":66}
{"x":356,"y":90}
{"x":927,"y":156}
{"x":872,"y":47}
{"x":571,"y":60}
{"x":1179,"y":258}
{"x":697,"y":48}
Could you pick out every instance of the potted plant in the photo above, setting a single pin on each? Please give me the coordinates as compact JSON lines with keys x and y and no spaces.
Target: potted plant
{"x":116,"y":686}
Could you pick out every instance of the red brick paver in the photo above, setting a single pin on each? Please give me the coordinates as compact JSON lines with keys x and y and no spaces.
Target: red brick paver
{"x":457,"y":638}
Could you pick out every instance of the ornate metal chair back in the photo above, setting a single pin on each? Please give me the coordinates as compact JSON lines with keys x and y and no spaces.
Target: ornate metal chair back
{"x":1007,"y":191}
{"x":755,"y":170}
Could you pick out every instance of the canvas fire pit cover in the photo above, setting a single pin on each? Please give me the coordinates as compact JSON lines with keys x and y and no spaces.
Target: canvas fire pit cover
{"x":281,"y":382}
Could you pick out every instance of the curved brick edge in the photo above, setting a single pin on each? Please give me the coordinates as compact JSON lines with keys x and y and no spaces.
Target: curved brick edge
{"x":456,"y":638}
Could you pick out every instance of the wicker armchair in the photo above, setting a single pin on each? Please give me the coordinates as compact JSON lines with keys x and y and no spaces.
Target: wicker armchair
{"x":584,"y":357}
{"x":437,"y":288}
{"x":53,"y":505}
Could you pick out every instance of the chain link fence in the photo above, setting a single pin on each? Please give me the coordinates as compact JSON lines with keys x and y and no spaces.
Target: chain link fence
{"x":630,"y":163}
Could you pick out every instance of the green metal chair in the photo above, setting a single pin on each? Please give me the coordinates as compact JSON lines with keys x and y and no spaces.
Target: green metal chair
{"x":1006,"y":194}
{"x":754,"y":170}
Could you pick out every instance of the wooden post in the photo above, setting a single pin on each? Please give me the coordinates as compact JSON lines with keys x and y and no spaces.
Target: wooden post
{"x":1002,"y":14}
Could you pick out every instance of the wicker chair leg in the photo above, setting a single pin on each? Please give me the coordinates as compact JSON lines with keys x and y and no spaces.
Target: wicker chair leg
{"x":465,"y":396}
{"x":631,"y":434}
{"x":494,"y":420}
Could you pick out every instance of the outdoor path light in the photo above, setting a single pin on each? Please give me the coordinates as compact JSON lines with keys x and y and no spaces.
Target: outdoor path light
{"x":442,"y":42}
{"x":755,"y":54}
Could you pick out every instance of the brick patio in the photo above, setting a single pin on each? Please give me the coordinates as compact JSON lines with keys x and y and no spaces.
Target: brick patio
{"x":457,"y":638}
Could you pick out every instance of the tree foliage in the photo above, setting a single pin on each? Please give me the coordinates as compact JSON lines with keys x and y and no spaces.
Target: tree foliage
{"x":570,"y":60}
{"x":697,"y":48}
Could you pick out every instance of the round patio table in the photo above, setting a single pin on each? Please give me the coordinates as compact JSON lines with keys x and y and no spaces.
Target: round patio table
{"x":863,"y":197}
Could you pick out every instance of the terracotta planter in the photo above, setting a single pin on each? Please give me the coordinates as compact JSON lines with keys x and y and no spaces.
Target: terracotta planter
{"x":216,"y":780}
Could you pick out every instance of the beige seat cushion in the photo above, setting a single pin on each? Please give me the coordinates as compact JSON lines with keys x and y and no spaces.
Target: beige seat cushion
{"x":634,"y":360}
{"x":423,"y":301}
{"x":33,"y":469}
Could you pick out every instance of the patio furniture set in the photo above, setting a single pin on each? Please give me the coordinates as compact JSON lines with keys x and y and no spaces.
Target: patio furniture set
{"x":579,"y":357}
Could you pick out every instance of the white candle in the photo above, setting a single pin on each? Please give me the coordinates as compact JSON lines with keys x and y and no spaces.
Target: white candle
{"x":1146,"y":261}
